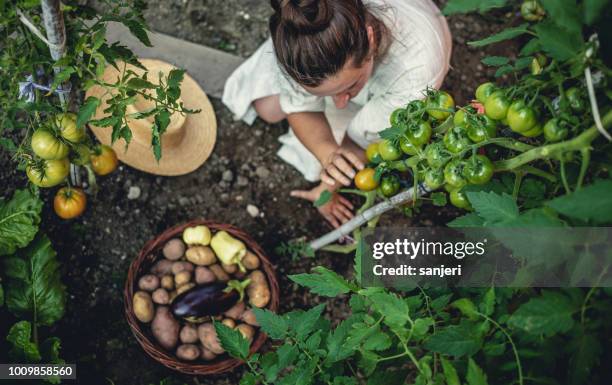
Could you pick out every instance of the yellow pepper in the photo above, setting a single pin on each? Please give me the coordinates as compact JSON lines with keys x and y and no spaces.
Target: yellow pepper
{"x":228,"y":249}
{"x":197,"y":235}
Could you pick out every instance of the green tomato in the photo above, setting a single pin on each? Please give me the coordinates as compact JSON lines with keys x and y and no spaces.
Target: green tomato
{"x":69,"y":129}
{"x":478,"y":169}
{"x":555,"y":130}
{"x":397,"y":116}
{"x":372,"y":153}
{"x":537,"y":64}
{"x":460,"y":118}
{"x":388,"y":151}
{"x":456,"y":139}
{"x":434,"y":178}
{"x":407,"y":147}
{"x":436,"y":155}
{"x":496,"y":105}
{"x":389,"y":185}
{"x":419,"y":132}
{"x":48,"y":146}
{"x":531,"y":10}
{"x":453,"y":173}
{"x":485,"y":129}
{"x":459,"y":199}
{"x":533,"y":132}
{"x":575,"y":99}
{"x":48,"y":173}
{"x":438,"y":100}
{"x":484,"y":91}
{"x":521,"y":118}
{"x":81,"y":154}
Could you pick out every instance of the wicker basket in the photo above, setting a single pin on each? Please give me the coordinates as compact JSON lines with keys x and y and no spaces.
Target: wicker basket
{"x":141,"y":265}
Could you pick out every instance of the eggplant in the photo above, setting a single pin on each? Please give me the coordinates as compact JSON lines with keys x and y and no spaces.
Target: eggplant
{"x":204,"y":300}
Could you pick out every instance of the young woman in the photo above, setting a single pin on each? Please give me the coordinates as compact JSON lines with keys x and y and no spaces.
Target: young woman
{"x":336,"y":69}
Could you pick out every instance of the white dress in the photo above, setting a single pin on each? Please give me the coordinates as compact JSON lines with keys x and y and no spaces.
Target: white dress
{"x":417,"y":58}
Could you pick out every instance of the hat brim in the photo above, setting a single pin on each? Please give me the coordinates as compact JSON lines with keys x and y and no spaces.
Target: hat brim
{"x":178,"y":158}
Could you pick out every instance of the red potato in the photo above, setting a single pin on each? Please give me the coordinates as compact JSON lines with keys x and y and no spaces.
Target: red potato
{"x":189,"y":334}
{"x":258,"y":290}
{"x":162,"y":267}
{"x":208,"y":338}
{"x":188,"y":352}
{"x":161,"y":296}
{"x":165,"y":328}
{"x":180,"y":266}
{"x":148,"y":282}
{"x":235,"y":311}
{"x":204,"y":275}
{"x":174,"y":249}
{"x":248,"y":316}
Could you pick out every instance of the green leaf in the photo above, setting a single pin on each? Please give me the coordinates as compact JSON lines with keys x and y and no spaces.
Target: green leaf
{"x":450,"y":373}
{"x":87,"y":110}
{"x":306,"y":322}
{"x":522,"y":62}
{"x":506,"y":69}
{"x":248,"y":379}
{"x":559,"y":43}
{"x":49,"y":350}
{"x":377,"y":341}
{"x":286,"y":355}
{"x":33,"y":287}
{"x":549,"y":314}
{"x":455,"y":340}
{"x":175,"y":77}
{"x":140,"y":83}
{"x":593,"y":10}
{"x":232,"y":341}
{"x":324,"y":282}
{"x":138,"y":30}
{"x":591,"y":203}
{"x":393,"y":308}
{"x":487,"y":306}
{"x":467,"y":220}
{"x":325,"y":197}
{"x":23,"y":350}
{"x":273,"y":324}
{"x":466,"y":307}
{"x":1,"y":295}
{"x":586,"y":352}
{"x":492,"y":207}
{"x":475,"y":375}
{"x":565,"y":13}
{"x":438,"y":198}
{"x":62,"y":77}
{"x":19,"y":220}
{"x":337,"y":348}
{"x":506,"y":34}
{"x":466,"y":6}
{"x":495,"y":61}
{"x":531,"y":47}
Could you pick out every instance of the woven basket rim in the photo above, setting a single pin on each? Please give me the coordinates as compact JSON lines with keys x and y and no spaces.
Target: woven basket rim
{"x":149,"y":345}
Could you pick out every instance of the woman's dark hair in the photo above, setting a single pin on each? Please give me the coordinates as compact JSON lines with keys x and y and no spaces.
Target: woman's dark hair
{"x":314,"y":39}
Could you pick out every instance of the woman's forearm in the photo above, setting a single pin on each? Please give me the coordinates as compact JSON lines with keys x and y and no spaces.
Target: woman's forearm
{"x":313,"y":130}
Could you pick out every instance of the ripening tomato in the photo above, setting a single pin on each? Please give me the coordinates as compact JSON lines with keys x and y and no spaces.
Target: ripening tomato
{"x":365,"y":179}
{"x":521,"y":118}
{"x":68,"y":127}
{"x":372,"y":153}
{"x":48,"y":173}
{"x":69,"y":202}
{"x":484,"y":91}
{"x":407,"y":147}
{"x":496,"y":105}
{"x":46,"y":145}
{"x":104,"y":160}
{"x":440,"y":100}
{"x":459,"y":199}
{"x":388,"y":151}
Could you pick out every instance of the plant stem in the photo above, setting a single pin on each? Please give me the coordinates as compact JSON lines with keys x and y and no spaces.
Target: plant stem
{"x":518,"y":177}
{"x":564,"y":177}
{"x":586,"y":158}
{"x":519,"y":368}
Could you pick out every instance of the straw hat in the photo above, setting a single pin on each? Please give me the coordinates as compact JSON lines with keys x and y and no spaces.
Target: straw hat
{"x":188,"y":140}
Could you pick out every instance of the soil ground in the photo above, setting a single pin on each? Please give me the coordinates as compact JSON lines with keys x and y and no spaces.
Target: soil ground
{"x":97,"y":249}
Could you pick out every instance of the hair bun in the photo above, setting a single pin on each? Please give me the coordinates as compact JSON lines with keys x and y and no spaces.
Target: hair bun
{"x":304,"y":16}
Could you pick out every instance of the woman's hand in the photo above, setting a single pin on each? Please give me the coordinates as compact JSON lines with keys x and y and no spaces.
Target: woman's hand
{"x":340,"y":167}
{"x":337,"y":211}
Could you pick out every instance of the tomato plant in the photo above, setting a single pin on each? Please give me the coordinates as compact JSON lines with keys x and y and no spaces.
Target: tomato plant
{"x":69,"y":202}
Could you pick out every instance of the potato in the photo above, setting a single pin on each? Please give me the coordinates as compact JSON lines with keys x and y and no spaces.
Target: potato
{"x":184,"y":288}
{"x":250,"y":261}
{"x":248,"y":316}
{"x":167,"y":282}
{"x":230,"y":323}
{"x":235,"y":311}
{"x":143,"y":306}
{"x":189,"y":334}
{"x":204,"y":275}
{"x":188,"y":352}
{"x":208,"y":338}
{"x":161,"y":296}
{"x":148,"y":282}
{"x":207,"y":355}
{"x":229,"y":269}
{"x":162,"y":267}
{"x":165,"y":328}
{"x":182,"y":278}
{"x":200,"y":255}
{"x":174,"y":249}
{"x":247,"y":331}
{"x":258,"y":290}
{"x":218,"y":271}
{"x":179,"y":266}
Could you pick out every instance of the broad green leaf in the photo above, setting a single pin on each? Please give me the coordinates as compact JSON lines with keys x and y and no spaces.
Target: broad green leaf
{"x":368,"y":361}
{"x":377,"y":341}
{"x":450,"y":373}
{"x":505,"y":69}
{"x":248,"y":379}
{"x":506,"y":34}
{"x":232,"y":341}
{"x":34,"y":290}
{"x":139,"y":83}
{"x":323,"y":199}
{"x":455,"y":340}
{"x":492,"y":207}
{"x":438,"y":199}
{"x":487,"y":306}
{"x":62,"y":77}
{"x":467,"y":220}
{"x":495,"y":61}
{"x":421,"y":326}
{"x":273,"y":324}
{"x":548,"y":314}
{"x":23,"y":350}
{"x":19,"y":220}
{"x":49,"y":350}
{"x":466,"y":307}
{"x":306,"y":322}
{"x":393,"y":308}
{"x":138,"y":30}
{"x":302,"y":374}
{"x":87,"y":110}
{"x":565,"y":13}
{"x":591,"y":203}
{"x":475,"y":375}
{"x":338,"y":350}
{"x":466,"y":6}
{"x":531,"y":47}
{"x":286,"y":355}
{"x":586,"y":352}
{"x":323,"y":282}
{"x":594,"y":9}
{"x":175,"y":77}
{"x":559,"y":43}
{"x":344,"y":380}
